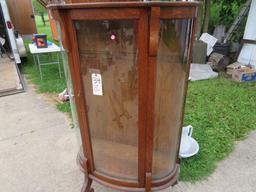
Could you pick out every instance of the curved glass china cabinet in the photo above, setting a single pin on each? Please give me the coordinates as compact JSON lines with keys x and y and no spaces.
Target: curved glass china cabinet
{"x":129,"y":64}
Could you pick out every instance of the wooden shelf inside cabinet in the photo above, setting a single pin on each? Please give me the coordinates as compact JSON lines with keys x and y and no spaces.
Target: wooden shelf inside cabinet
{"x":120,"y":155}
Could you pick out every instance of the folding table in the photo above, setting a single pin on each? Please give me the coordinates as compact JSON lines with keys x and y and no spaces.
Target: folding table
{"x":37,"y":52}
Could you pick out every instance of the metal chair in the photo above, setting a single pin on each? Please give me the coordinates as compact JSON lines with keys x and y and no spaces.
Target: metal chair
{"x":2,"y":42}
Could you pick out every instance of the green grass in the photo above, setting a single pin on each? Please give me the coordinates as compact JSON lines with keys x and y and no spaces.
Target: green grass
{"x":64,"y":107}
{"x":51,"y":82}
{"x":220,"y":111}
{"x":41,"y":28}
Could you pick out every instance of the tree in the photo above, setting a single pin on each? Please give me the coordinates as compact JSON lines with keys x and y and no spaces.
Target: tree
{"x":39,"y":10}
{"x":207,"y":13}
{"x":217,"y":12}
{"x":199,"y":20}
{"x":224,"y":12}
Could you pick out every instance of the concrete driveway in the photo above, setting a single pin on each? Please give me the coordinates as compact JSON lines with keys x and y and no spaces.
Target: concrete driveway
{"x":38,"y":153}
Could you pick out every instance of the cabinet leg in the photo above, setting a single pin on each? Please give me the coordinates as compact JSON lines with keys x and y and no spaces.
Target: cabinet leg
{"x":87,"y":185}
{"x":148,"y":182}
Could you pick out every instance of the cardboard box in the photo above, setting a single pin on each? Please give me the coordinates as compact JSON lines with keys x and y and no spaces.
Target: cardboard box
{"x":241,"y":75}
{"x":232,"y":67}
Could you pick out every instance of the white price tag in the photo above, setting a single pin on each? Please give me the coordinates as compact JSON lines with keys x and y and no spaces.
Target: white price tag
{"x":97,"y":84}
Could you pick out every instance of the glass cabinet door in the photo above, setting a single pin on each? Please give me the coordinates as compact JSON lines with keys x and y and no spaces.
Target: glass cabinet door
{"x":108,"y":64}
{"x":172,"y":61}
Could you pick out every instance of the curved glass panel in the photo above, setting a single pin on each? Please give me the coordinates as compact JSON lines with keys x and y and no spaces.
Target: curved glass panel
{"x":108,"y":57}
{"x":67,"y":73}
{"x":170,"y":81}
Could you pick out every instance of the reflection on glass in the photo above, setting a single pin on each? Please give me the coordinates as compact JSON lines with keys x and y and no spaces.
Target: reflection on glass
{"x":108,"y":55}
{"x":170,"y":81}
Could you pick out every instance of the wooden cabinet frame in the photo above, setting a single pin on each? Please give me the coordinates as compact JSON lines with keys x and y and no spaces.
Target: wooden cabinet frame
{"x":148,"y":16}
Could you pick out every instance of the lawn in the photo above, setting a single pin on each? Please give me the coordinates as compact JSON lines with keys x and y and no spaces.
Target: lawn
{"x":220,"y":111}
{"x":51,"y":83}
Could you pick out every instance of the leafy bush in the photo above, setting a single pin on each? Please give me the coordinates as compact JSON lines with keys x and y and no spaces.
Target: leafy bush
{"x":224,"y":12}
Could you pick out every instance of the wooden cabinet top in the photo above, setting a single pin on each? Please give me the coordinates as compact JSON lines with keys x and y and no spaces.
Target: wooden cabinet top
{"x":123,"y":4}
